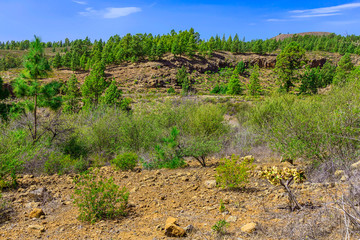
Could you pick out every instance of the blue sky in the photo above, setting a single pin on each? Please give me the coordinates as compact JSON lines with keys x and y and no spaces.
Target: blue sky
{"x":57,"y":19}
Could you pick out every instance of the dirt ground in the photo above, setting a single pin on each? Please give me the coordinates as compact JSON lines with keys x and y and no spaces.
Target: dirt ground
{"x":158,"y":194}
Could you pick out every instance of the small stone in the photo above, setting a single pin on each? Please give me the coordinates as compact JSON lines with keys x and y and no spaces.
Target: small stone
{"x":159,"y":228}
{"x":355,"y":166}
{"x":231,"y":219}
{"x":344,"y":178}
{"x":249,"y":228}
{"x":189,"y":228}
{"x":37,"y":227}
{"x":210,"y":184}
{"x":36,"y":213}
{"x":339,"y":173}
{"x":172,"y":229}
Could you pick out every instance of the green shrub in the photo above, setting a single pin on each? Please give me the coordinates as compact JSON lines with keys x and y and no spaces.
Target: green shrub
{"x":13,"y":149}
{"x":168,"y":154}
{"x":58,"y":163}
{"x":219,"y":89}
{"x":81,"y":165}
{"x":126,"y":161}
{"x":220,"y":227}
{"x":234,"y":86}
{"x":99,"y":198}
{"x":171,"y":90}
{"x":234,"y":172}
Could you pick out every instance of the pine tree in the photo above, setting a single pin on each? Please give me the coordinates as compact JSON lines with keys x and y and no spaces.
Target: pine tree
{"x":345,"y":66}
{"x":160,"y":49}
{"x":112,"y":95}
{"x":66,"y":60}
{"x":27,"y":85}
{"x":234,"y":86}
{"x":57,"y":61}
{"x":94,"y":85}
{"x":254,"y":86}
{"x":72,"y":94}
{"x":75,"y":61}
{"x":191,"y":46}
{"x":288,"y":62}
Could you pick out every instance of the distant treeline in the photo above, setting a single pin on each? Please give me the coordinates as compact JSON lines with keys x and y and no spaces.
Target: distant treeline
{"x":84,"y":53}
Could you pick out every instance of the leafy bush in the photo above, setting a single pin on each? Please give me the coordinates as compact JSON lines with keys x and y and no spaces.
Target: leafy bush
{"x":168,"y":154}
{"x":285,"y":177}
{"x":220,"y":227}
{"x":240,"y":68}
{"x":219,"y":89}
{"x":126,"y":161}
{"x":13,"y":150}
{"x":234,"y":172}
{"x":58,"y":163}
{"x":99,"y":198}
{"x":171,"y":90}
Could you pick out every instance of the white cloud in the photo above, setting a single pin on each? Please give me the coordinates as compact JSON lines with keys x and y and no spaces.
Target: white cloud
{"x":110,"y":12}
{"x":326,"y":11}
{"x":316,"y":12}
{"x":80,"y":2}
{"x":316,"y":15}
{"x":120,"y":12}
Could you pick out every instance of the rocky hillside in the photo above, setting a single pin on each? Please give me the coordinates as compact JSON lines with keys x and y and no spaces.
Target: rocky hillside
{"x":284,"y":36}
{"x":42,"y":207}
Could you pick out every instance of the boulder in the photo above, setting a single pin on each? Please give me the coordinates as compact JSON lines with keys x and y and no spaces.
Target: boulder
{"x":172,"y":229}
{"x":249,"y":228}
{"x":210,"y":183}
{"x":36,"y":213}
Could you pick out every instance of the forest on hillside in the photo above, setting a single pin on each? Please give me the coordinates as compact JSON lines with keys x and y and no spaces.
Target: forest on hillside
{"x":81,"y":54}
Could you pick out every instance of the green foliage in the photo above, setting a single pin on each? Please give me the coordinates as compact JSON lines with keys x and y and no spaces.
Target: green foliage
{"x":58,"y":164}
{"x":274,"y":175}
{"x":234,"y":86}
{"x":220,"y":227}
{"x":57,"y":61}
{"x":94,"y":85}
{"x":35,"y":63}
{"x":13,"y":147}
{"x":310,"y":81}
{"x":126,"y":161}
{"x":345,"y":66}
{"x":234,"y":172}
{"x":182,"y":78}
{"x":222,"y":207}
{"x":171,"y":90}
{"x":72,"y":94}
{"x":219,"y":89}
{"x":112,"y":94}
{"x":288,"y":62}
{"x":240,"y":68}
{"x":168,"y":154}
{"x":254,"y":86}
{"x":309,"y":127}
{"x":98,"y":198}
